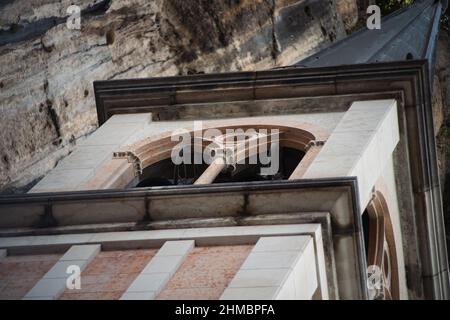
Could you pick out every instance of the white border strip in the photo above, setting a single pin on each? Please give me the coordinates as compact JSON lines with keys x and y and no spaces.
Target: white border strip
{"x":156,"y":238}
{"x":53,"y":283}
{"x":155,"y":276}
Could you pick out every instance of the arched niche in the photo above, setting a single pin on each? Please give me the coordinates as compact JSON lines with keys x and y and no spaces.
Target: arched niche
{"x":381,"y":248}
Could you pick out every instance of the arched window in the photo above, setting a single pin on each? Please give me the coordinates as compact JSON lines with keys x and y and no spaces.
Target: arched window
{"x":148,"y":162}
{"x":380,"y":247}
{"x":166,"y":173}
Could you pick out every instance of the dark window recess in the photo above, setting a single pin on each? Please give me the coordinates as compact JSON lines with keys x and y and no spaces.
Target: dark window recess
{"x":165,"y":173}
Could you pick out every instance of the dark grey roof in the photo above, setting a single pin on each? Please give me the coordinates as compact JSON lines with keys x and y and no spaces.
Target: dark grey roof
{"x":408,"y":33}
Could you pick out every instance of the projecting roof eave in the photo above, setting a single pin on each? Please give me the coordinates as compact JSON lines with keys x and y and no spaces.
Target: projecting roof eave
{"x":406,"y":34}
{"x":168,"y":98}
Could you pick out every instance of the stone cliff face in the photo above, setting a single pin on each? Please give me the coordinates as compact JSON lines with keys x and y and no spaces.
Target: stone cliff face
{"x":47,"y":69}
{"x":442,"y":121}
{"x":350,"y":13}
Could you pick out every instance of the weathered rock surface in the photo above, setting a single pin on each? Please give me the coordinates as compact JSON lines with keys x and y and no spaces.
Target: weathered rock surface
{"x":47,"y":69}
{"x":441,"y":104}
{"x":443,"y":137}
{"x":349,"y":12}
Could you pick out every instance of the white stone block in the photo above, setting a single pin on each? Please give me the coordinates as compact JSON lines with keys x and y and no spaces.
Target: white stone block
{"x":62,"y":180}
{"x":105,"y":237}
{"x":285,"y":243}
{"x":154,"y":277}
{"x":47,"y":289}
{"x":304,"y":275}
{"x":131,"y":118}
{"x":155,"y":237}
{"x":332,"y":165}
{"x":163,"y":264}
{"x":73,"y":239}
{"x":287,"y":291}
{"x":270,"y":260}
{"x":38,"y":298}
{"x":287,"y":264}
{"x":112,"y":134}
{"x":176,"y":248}
{"x":11,"y":242}
{"x":321,"y":266}
{"x":53,"y":283}
{"x":149,"y":282}
{"x":83,"y":252}
{"x":361,"y":119}
{"x":258,"y":278}
{"x":87,"y":157}
{"x":147,"y":295}
{"x":59,"y":270}
{"x":373,"y":106}
{"x":361,"y":145}
{"x":260,"y":293}
{"x":346,"y":143}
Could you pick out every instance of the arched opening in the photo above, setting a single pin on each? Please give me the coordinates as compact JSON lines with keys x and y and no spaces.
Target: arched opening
{"x":380,"y":248}
{"x":147,"y":163}
{"x":166,"y":173}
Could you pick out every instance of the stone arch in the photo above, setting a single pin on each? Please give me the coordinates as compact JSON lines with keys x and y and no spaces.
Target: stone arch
{"x":382,"y":251}
{"x":129,"y":161}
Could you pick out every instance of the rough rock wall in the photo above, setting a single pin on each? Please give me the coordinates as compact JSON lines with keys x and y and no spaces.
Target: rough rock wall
{"x":442,"y":112}
{"x":349,"y":12}
{"x":47,"y":69}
